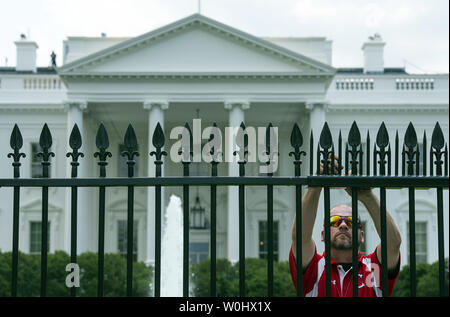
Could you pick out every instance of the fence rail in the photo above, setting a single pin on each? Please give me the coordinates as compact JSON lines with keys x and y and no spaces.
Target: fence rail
{"x":358,"y":173}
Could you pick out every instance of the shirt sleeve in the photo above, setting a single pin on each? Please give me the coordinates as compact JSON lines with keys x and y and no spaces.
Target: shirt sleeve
{"x":392,"y":278}
{"x":309,"y":275}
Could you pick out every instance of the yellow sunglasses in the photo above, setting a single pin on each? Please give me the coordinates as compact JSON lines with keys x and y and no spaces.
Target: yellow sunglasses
{"x":335,"y":221}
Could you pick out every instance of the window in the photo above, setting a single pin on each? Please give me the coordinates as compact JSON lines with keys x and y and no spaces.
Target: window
{"x":35,"y":237}
{"x":198,"y":252}
{"x":36,"y":161}
{"x":123,"y":166}
{"x":122,"y":238}
{"x":263,"y":246}
{"x":421,"y":242}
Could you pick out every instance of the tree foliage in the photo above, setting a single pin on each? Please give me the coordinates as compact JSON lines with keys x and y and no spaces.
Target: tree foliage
{"x":29,"y":275}
{"x":227,"y":278}
{"x":427,"y":280}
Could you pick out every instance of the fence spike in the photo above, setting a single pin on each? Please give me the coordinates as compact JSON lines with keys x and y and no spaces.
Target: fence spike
{"x":102,"y":143}
{"x":354,"y":136}
{"x":16,"y":140}
{"x":45,"y":140}
{"x":382,"y":142}
{"x":158,"y":138}
{"x":296,"y":137}
{"x":242,"y":143}
{"x":75,"y":141}
{"x":130,"y":140}
{"x":325,"y":139}
{"x":424,"y":149}
{"x":410,"y":136}
{"x":75,"y":145}
{"x":382,"y":136}
{"x":409,"y":144}
{"x":437,"y":143}
{"x":437,"y":138}
{"x":101,"y":139}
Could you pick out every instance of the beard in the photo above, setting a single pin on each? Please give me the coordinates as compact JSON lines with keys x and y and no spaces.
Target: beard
{"x":340,"y":243}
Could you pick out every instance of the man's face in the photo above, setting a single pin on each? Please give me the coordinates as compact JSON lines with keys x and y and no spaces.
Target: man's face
{"x":341,"y":236}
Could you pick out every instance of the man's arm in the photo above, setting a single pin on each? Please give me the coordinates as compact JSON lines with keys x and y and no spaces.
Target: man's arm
{"x":310,"y":203}
{"x":368,"y":198}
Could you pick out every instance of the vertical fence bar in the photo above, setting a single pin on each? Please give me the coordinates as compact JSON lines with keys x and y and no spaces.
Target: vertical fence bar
{"x":75,"y":143}
{"x":270,"y":239}
{"x":45,"y":141}
{"x":16,"y":143}
{"x":102,"y":143}
{"x":382,"y":141}
{"x":396,"y":152}
{"x":437,"y":143}
{"x":158,"y":141}
{"x":242,"y":143}
{"x":187,"y":149}
{"x":354,"y":140}
{"x":270,"y":143}
{"x":296,"y":143}
{"x":130,"y":142}
{"x":213,"y":237}
{"x":409,"y":154}
{"x":384,"y":267}
{"x":326,"y":143}
{"x":215,"y":152}
{"x":368,"y":154}
{"x":311,"y":155}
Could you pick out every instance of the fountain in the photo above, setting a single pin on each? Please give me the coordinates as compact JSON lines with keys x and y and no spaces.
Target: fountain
{"x":172,"y":250}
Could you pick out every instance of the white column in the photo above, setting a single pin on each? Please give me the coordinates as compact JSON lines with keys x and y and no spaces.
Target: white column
{"x":316,"y":122}
{"x":75,"y":111}
{"x":236,"y":116}
{"x":156,"y":115}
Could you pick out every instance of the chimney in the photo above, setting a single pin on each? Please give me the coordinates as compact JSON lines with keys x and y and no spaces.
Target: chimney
{"x":26,"y":54}
{"x":373,"y":54}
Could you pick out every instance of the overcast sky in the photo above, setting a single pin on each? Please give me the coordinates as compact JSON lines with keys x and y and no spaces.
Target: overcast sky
{"x":416,"y":32}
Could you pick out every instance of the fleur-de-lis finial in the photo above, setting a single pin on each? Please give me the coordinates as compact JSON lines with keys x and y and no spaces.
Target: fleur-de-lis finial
{"x":326,"y":143}
{"x":296,"y":143}
{"x":242,"y":143}
{"x":130,"y":142}
{"x":409,"y":144}
{"x":102,"y":143}
{"x":382,"y":142}
{"x":354,"y":141}
{"x":214,"y":151}
{"x":45,"y":141}
{"x":158,"y":141}
{"x":75,"y":144}
{"x":437,"y":143}
{"x":16,"y":143}
{"x":187,"y":144}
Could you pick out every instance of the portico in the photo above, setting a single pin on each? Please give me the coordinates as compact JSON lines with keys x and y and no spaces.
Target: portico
{"x":167,"y":76}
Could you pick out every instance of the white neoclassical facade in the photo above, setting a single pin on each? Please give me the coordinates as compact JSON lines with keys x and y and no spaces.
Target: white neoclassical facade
{"x":199,"y":68}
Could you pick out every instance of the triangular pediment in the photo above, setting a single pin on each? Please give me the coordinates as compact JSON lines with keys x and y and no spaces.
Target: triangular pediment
{"x":195,"y":44}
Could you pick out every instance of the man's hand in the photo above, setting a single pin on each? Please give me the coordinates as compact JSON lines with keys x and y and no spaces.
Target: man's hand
{"x":364,"y":194}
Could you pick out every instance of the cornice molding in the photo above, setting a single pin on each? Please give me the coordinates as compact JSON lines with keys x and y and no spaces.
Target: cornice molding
{"x":22,"y":107}
{"x":388,"y":107}
{"x":197,"y":75}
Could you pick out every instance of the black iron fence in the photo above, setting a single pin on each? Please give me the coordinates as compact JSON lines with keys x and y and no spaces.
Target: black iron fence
{"x":356,"y":174}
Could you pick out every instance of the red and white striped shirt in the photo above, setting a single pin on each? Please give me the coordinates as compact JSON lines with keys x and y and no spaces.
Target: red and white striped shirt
{"x":369,"y":277}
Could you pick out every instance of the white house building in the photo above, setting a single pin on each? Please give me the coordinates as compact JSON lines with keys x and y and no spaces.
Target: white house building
{"x":199,"y":68}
